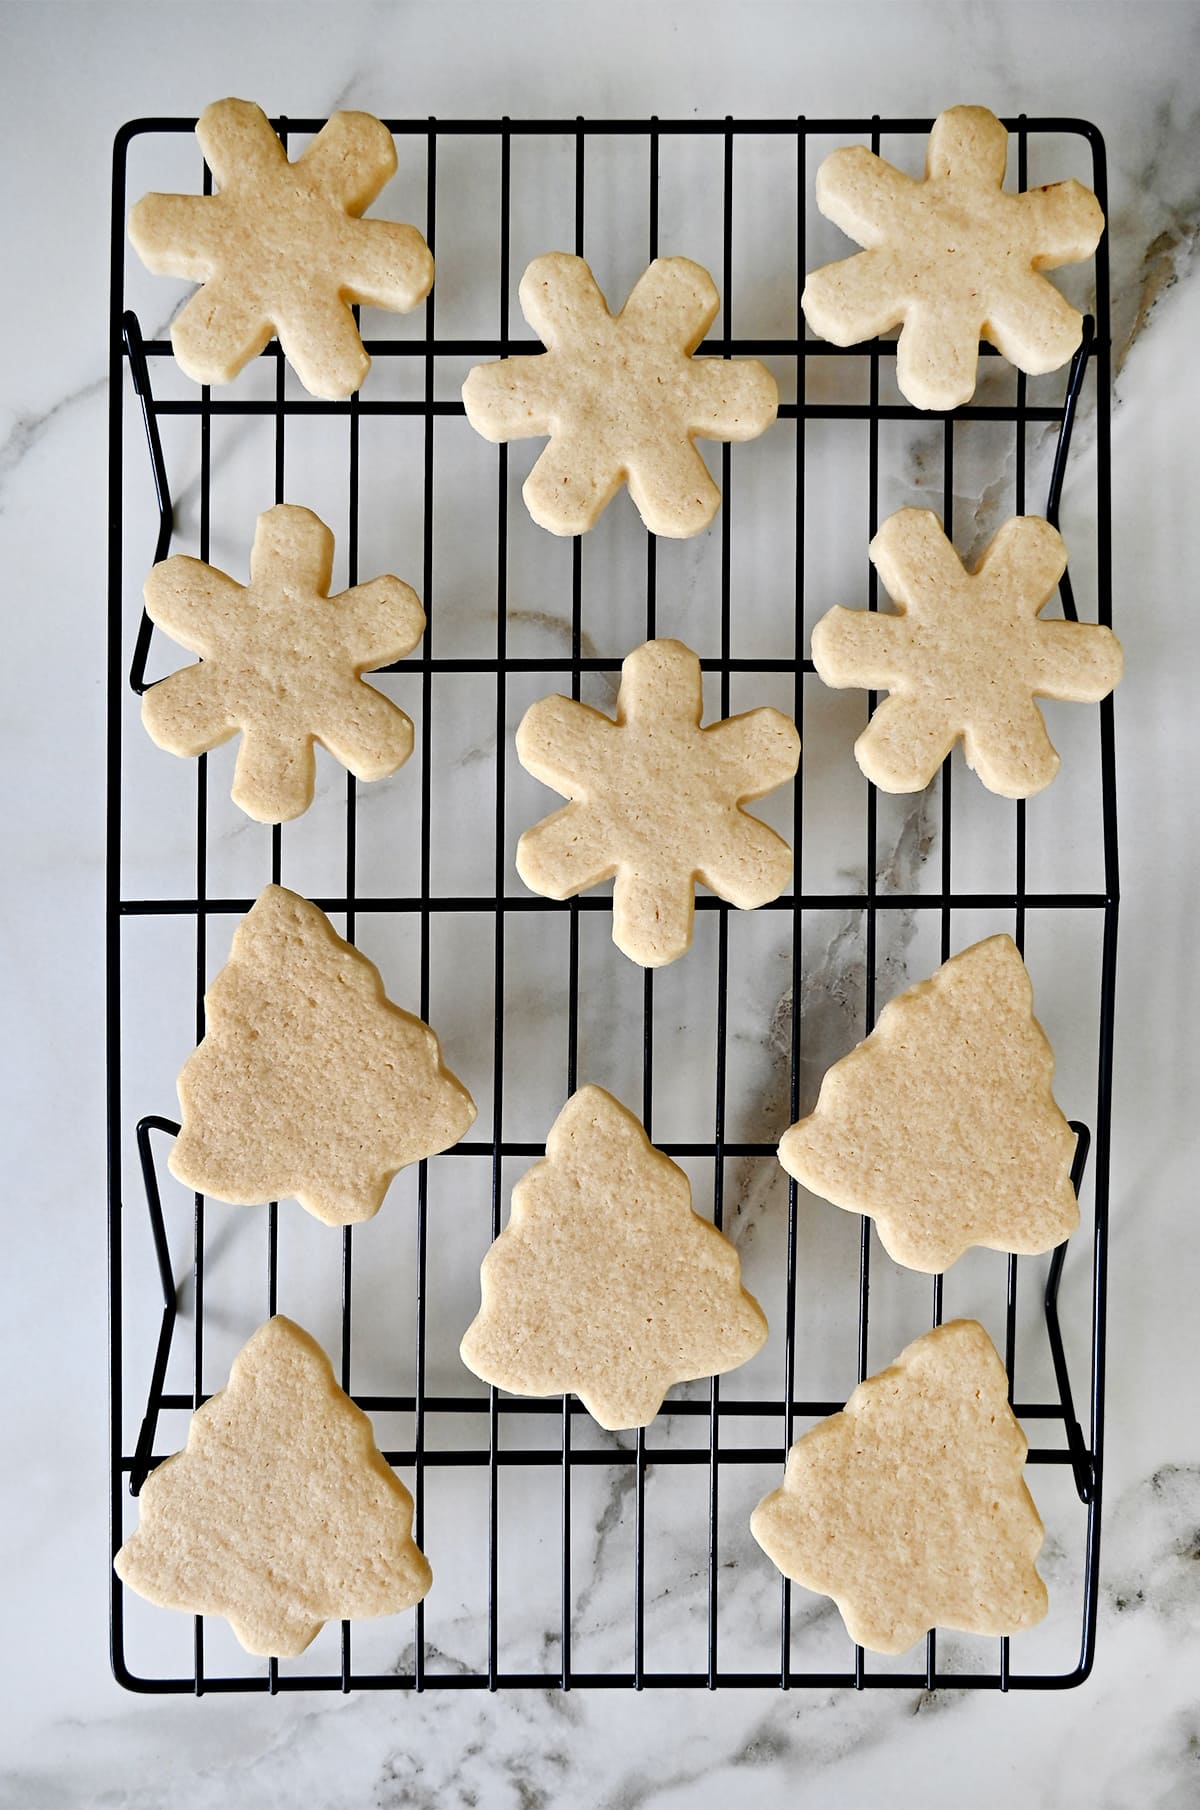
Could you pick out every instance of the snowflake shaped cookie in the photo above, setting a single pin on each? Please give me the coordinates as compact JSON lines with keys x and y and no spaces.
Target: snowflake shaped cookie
{"x":656,"y":800}
{"x":954,"y":258}
{"x":965,"y":655}
{"x":281,"y":249}
{"x":282,"y":662}
{"x":621,"y":396}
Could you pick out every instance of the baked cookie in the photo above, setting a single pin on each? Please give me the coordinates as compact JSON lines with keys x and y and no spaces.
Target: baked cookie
{"x":964,"y":654}
{"x":280,"y":1514}
{"x":909,"y":1508}
{"x":621,"y":396}
{"x":282,"y":663}
{"x":656,"y":800}
{"x":941,"y":1126}
{"x":605,"y":1283}
{"x":281,"y":249}
{"x":951,"y":260}
{"x":309,"y":1083}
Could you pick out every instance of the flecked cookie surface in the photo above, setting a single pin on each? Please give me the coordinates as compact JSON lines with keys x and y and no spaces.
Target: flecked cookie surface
{"x":621,"y":396}
{"x":605,"y":1283}
{"x":964,"y":654}
{"x":282,"y":664}
{"x":309,"y":1082}
{"x":656,"y":800}
{"x":281,"y":249}
{"x":951,"y":259}
{"x":942,"y":1125}
{"x":909,"y":1507}
{"x":280,"y":1514}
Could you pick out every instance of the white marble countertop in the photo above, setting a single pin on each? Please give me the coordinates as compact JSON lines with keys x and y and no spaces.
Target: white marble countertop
{"x":68,"y":1735}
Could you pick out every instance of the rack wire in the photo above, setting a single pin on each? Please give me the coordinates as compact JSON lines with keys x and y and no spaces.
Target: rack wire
{"x":133,"y":361}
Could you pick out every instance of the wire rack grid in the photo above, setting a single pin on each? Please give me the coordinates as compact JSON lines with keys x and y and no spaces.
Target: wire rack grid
{"x":726,"y":1428}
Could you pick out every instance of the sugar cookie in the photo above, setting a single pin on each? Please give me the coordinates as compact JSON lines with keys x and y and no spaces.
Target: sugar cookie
{"x":909,"y":1508}
{"x":605,"y":1283}
{"x":621,"y":396}
{"x":282,"y":663}
{"x":656,"y":800}
{"x":281,"y":249}
{"x":964,"y":654}
{"x":309,"y":1083}
{"x":954,"y":258}
{"x":942,"y":1125}
{"x":280,"y":1513}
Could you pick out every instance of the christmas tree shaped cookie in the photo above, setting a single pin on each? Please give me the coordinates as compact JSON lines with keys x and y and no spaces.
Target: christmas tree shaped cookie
{"x":942,"y":1125}
{"x":281,"y":249}
{"x":309,"y":1083}
{"x":909,"y":1508}
{"x":621,"y":396}
{"x":657,"y":801}
{"x":280,"y":1514}
{"x":282,"y":663}
{"x":964,"y":654}
{"x":605,"y":1283}
{"x":954,"y":258}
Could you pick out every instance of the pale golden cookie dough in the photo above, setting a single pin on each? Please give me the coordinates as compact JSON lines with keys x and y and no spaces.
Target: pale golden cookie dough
{"x":950,"y":260}
{"x":605,"y":1283}
{"x":282,"y":664}
{"x":281,"y":249}
{"x":964,"y":654}
{"x":621,"y":396}
{"x":656,"y":800}
{"x":942,"y":1125}
{"x":280,"y":1514}
{"x":309,"y":1083}
{"x":909,"y":1507}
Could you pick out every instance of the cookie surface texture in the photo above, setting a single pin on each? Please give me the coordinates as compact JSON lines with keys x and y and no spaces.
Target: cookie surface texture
{"x":909,"y":1507}
{"x":281,"y":249}
{"x":964,"y":654}
{"x":309,"y":1082}
{"x":621,"y":396}
{"x":951,"y":259}
{"x":942,"y":1125}
{"x":280,"y":1514}
{"x":281,"y":663}
{"x":605,"y":1283}
{"x":656,"y":800}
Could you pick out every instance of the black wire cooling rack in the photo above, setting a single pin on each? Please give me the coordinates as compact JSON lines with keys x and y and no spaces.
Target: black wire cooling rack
{"x":722,"y":1420}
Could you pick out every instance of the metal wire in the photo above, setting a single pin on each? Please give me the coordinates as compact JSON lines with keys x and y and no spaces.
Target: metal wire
{"x":486,"y":1416}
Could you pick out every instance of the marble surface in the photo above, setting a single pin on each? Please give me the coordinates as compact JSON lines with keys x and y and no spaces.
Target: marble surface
{"x":68,"y":1735}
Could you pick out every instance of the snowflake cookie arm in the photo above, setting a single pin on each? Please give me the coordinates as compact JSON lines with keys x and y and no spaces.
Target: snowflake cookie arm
{"x":564,"y":854}
{"x":184,"y":713}
{"x":1077,"y":661}
{"x":380,"y":621}
{"x":757,"y":751}
{"x":1063,"y":223}
{"x":913,"y":557}
{"x":350,"y":160}
{"x":967,"y":146}
{"x":863,"y":195}
{"x":178,"y":235}
{"x":905,"y":742}
{"x":564,"y":744}
{"x":275,"y":774}
{"x":652,"y":917}
{"x":1022,"y":563}
{"x":860,"y":648}
{"x":239,"y":143}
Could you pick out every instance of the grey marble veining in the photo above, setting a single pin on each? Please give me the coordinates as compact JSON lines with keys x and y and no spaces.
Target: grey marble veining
{"x":1132,"y":1735}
